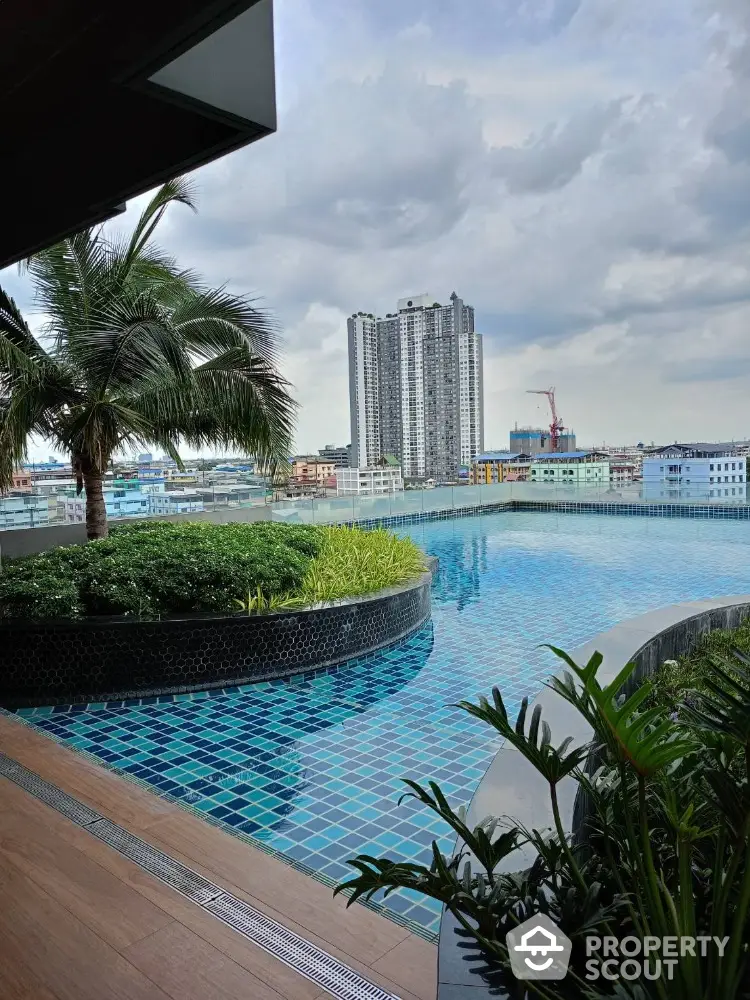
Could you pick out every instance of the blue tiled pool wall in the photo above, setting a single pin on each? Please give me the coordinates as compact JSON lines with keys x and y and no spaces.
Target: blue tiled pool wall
{"x":700,"y":511}
{"x":719,"y":512}
{"x":312,"y":767}
{"x":236,"y":758}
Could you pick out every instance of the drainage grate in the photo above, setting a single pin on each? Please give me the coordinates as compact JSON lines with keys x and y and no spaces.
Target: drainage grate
{"x":47,"y":793}
{"x":154,"y":861}
{"x":286,"y":946}
{"x":305,"y":958}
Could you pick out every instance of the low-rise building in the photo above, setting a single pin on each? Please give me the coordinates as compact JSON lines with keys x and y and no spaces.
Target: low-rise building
{"x":231,"y":494}
{"x":65,"y":487}
{"x":48,"y":471}
{"x":175,"y":502}
{"x":499,"y":467}
{"x":151,"y":474}
{"x":188,"y":477}
{"x":23,"y":510}
{"x":371,"y":481}
{"x":699,"y":471}
{"x":538,"y":440}
{"x":340,"y":455}
{"x":312,"y":469}
{"x":118,"y":502}
{"x":571,"y":468}
{"x":628,"y":454}
{"x":21,"y":481}
{"x":621,"y":473}
{"x":143,"y":486}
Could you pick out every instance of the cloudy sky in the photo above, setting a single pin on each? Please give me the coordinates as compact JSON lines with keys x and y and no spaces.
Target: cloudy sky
{"x":578,"y":170}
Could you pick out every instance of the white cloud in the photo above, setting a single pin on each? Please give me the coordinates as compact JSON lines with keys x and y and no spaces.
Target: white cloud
{"x":578,"y":170}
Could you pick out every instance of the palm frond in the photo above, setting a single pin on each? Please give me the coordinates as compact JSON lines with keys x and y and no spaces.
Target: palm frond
{"x":14,"y":330}
{"x":128,"y":341}
{"x":180,"y":190}
{"x":141,"y":353}
{"x":30,"y":408}
{"x":215,"y":321}
{"x":235,"y":400}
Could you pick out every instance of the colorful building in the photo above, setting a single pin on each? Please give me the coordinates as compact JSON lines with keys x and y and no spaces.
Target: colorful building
{"x":23,"y":510}
{"x":340,"y":455}
{"x":175,"y":502}
{"x":117,"y":503}
{"x":571,"y":468}
{"x":621,"y":473}
{"x":187,"y":478}
{"x":21,"y":480}
{"x":312,"y":469}
{"x":500,"y":467}
{"x":702,"y":471}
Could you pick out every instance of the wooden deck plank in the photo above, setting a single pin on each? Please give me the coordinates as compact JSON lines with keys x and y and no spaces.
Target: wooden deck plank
{"x":283,"y":979}
{"x":413,"y":964}
{"x":358,"y":932}
{"x":188,"y":968}
{"x":18,"y":982}
{"x":116,"y":912}
{"x":101,"y":789}
{"x":69,"y":959}
{"x":358,"y":937}
{"x":384,"y":976}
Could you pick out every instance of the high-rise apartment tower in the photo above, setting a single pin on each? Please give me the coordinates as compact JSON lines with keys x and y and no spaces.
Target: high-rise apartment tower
{"x":416,"y":387}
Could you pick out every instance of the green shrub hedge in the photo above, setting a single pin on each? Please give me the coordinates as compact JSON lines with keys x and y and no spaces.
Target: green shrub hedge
{"x":155,"y":568}
{"x":152,"y":568}
{"x":678,"y":679}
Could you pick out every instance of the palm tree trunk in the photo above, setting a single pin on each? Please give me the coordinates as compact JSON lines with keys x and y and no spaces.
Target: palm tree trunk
{"x":96,"y":512}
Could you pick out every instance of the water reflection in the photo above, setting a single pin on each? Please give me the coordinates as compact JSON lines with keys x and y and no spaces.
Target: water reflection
{"x":462,"y":563}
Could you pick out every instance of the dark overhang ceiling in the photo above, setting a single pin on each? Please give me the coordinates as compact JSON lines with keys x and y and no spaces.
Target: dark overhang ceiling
{"x":100,"y":101}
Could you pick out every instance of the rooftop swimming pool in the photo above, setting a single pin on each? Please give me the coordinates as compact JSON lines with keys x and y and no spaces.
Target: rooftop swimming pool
{"x":312,"y":766}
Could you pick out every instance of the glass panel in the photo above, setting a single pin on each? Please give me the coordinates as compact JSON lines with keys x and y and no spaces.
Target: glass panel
{"x":409,"y":501}
{"x":495,"y":493}
{"x":530,"y":491}
{"x":467,"y":496}
{"x":293,"y":511}
{"x":333,"y":510}
{"x":440,"y":498}
{"x":366,"y":507}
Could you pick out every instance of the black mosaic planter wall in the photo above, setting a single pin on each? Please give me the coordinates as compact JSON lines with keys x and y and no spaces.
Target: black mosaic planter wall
{"x":55,"y":662}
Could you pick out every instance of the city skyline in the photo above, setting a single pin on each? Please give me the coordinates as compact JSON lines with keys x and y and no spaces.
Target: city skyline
{"x":583,"y":188}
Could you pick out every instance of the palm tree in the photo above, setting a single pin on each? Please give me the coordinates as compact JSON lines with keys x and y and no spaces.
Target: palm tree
{"x":136,"y":352}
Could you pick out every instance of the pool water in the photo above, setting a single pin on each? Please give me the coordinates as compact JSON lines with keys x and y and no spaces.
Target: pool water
{"x":312,"y":766}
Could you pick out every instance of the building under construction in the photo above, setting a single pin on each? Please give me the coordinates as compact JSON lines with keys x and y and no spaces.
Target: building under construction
{"x":538,"y":441}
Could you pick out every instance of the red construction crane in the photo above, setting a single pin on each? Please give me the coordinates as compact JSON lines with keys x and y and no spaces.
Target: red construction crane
{"x":556,"y":427}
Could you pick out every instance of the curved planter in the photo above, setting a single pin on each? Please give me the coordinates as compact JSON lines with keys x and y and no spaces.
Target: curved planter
{"x":46,"y":663}
{"x":512,"y":787}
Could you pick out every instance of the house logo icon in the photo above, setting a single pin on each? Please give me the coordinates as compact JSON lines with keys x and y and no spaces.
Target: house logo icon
{"x":538,"y":949}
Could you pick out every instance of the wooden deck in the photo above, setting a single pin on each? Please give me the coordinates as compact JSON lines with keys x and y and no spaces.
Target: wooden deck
{"x":78,"y":921}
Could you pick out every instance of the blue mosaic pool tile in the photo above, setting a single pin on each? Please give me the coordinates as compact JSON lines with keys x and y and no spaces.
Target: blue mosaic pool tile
{"x":312,"y":767}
